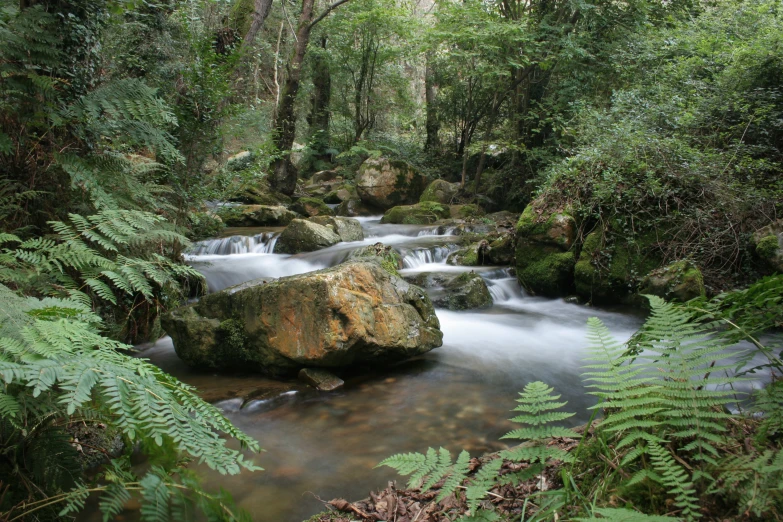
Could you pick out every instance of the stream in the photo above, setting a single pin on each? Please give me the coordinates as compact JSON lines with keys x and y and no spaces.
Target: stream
{"x":325,"y":445}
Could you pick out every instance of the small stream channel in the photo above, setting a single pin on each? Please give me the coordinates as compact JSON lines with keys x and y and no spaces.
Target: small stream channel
{"x":458,"y":396}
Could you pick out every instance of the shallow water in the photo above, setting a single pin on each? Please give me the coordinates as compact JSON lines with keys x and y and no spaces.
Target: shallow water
{"x":325,"y":445}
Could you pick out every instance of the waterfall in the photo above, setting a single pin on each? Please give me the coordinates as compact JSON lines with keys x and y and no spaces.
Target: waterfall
{"x":426,"y":256}
{"x":258,"y":244}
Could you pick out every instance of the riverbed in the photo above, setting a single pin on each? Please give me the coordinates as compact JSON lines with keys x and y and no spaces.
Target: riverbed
{"x":323,"y":445}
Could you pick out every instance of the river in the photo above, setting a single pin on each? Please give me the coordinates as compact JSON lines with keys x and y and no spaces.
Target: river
{"x":325,"y":445}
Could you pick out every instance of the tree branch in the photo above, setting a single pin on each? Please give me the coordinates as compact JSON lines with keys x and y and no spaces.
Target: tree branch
{"x":326,"y":12}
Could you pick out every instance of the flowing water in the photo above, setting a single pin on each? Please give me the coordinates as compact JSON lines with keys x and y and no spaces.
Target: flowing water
{"x":325,"y":445}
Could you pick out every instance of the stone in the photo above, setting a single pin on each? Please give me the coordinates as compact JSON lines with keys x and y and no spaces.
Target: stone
{"x":545,"y":256}
{"x":347,"y":228}
{"x":353,"y":207}
{"x":305,"y":236}
{"x":261,"y":195}
{"x":320,"y":379}
{"x":390,"y":259}
{"x":465,"y":291}
{"x":680,"y":280}
{"x":353,"y":313}
{"x":472,"y":255}
{"x":240,"y":161}
{"x":256,"y":216}
{"x":609,"y":272}
{"x":322,"y":176}
{"x":465,"y":211}
{"x":384,"y":183}
{"x":419,"y":214}
{"x":504,"y":220}
{"x":310,"y":207}
{"x":440,"y":191}
{"x":768,"y":245}
{"x":501,"y":250}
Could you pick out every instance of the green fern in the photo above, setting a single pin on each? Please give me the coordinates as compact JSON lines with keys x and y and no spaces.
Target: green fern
{"x":623,"y":515}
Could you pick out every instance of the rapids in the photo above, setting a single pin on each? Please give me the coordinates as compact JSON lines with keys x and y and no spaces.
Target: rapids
{"x":325,"y":445}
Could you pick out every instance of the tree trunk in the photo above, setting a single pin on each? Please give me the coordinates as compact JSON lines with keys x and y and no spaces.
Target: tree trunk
{"x":260,"y":12}
{"x":433,"y":123}
{"x":322,"y":94}
{"x":284,"y":175}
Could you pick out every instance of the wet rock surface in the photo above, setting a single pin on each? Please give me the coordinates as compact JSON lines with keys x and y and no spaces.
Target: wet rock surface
{"x":320,"y":379}
{"x":348,"y":229}
{"x":384,"y":183}
{"x":465,"y":291}
{"x":305,"y":236}
{"x":353,"y":313}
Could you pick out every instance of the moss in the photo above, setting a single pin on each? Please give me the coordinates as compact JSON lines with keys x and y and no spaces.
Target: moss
{"x":545,"y":271}
{"x":469,"y":211}
{"x":420,"y":214}
{"x":312,"y":207}
{"x":767,"y":247}
{"x":440,"y":191}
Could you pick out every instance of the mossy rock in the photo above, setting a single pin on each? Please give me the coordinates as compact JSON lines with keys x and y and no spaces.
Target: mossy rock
{"x":768,"y":245}
{"x":680,"y":280}
{"x":440,"y":191}
{"x":260,"y":194}
{"x":310,"y":207}
{"x":610,"y":273}
{"x":348,"y":229}
{"x":465,"y":211}
{"x":204,"y":225}
{"x":465,"y":291}
{"x":473,"y":255}
{"x":545,"y":254}
{"x":256,"y":216}
{"x":305,"y":236}
{"x":419,"y":214}
{"x":354,"y":207}
{"x":389,"y":259}
{"x":240,"y":161}
{"x":502,"y":250}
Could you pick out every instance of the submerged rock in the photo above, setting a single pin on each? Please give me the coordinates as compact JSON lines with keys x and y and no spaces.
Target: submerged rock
{"x":353,"y":313}
{"x":465,"y":291}
{"x":305,"y":236}
{"x":311,"y":207}
{"x":256,"y":216}
{"x":348,"y":229}
{"x":384,"y":183}
{"x":544,"y":252}
{"x":680,"y":280}
{"x":320,"y":379}
{"x":419,"y":214}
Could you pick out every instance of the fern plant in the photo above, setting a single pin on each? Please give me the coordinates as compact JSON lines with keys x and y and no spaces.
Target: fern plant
{"x":538,"y":406}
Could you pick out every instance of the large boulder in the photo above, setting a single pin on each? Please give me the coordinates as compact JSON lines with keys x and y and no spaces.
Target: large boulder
{"x":348,"y":229}
{"x":260,"y":195}
{"x":305,"y":236}
{"x":322,"y":176}
{"x":256,"y":216}
{"x":610,"y":266}
{"x":768,"y":244}
{"x":680,"y":280}
{"x":419,"y":214}
{"x":465,"y":291}
{"x":440,"y":191}
{"x":353,"y":313}
{"x":384,"y":183}
{"x":544,"y":252}
{"x":501,"y":250}
{"x":311,"y":207}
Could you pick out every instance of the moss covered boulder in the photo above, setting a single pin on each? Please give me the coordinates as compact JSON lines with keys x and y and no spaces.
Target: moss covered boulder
{"x":348,"y":229}
{"x":260,"y":194}
{"x":419,"y":214}
{"x":389,"y":258}
{"x":680,"y":280}
{"x":256,"y":216}
{"x":310,"y":207}
{"x":501,"y":250}
{"x":465,"y":211}
{"x":466,"y":291}
{"x":475,"y":254}
{"x":353,"y":313}
{"x":440,"y":191}
{"x":609,"y":270}
{"x":545,"y":255}
{"x":768,"y":245}
{"x":305,"y":236}
{"x":384,"y":183}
